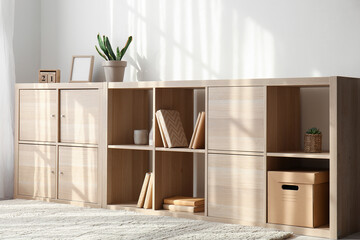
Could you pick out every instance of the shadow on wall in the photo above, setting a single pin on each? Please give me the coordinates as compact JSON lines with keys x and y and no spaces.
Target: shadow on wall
{"x":185,"y":39}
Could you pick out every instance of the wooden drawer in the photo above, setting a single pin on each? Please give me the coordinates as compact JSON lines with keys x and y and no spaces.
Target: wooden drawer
{"x":37,"y":170}
{"x":79,"y":116}
{"x":78,"y":174}
{"x":236,"y":187}
{"x":37,"y":115}
{"x":236,"y":118}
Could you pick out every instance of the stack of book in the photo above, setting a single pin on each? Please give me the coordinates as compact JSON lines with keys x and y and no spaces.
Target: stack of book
{"x":145,"y":198}
{"x":184,"y":204}
{"x":198,"y":136}
{"x":171,"y":129}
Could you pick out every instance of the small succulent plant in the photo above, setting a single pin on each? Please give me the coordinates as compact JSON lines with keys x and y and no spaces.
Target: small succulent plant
{"x":313,"y":131}
{"x":108,"y":53}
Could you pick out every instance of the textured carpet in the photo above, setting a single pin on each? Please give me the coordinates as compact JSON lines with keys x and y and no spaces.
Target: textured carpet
{"x":26,"y":219}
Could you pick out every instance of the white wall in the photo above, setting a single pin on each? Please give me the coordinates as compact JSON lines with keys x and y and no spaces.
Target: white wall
{"x":218,"y":39}
{"x":27,"y":40}
{"x":69,"y":27}
{"x":194,"y":39}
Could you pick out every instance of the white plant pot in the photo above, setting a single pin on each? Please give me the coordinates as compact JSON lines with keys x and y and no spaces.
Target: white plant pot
{"x":114,"y":70}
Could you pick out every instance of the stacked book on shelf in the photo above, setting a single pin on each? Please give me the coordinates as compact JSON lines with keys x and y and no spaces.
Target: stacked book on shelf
{"x":198,"y":136}
{"x":145,"y":198}
{"x":171,"y":129}
{"x":184,"y":204}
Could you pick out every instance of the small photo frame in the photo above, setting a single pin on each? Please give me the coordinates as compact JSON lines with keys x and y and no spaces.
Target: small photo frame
{"x":82,"y":68}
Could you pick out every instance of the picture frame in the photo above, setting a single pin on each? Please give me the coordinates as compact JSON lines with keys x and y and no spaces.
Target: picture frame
{"x":81,"y":69}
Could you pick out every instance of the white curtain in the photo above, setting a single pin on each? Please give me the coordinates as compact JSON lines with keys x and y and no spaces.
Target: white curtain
{"x":7,"y":81}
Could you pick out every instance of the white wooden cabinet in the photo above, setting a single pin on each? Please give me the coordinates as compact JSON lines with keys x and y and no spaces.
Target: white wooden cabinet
{"x":57,"y":145}
{"x":79,"y":116}
{"x":37,"y":170}
{"x":236,"y":118}
{"x":38,"y":115}
{"x":236,"y":187}
{"x":78,"y":178}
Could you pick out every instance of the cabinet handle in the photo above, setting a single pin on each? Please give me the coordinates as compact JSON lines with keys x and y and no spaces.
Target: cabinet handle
{"x":53,"y":115}
{"x":61,"y":173}
{"x":52,"y":172}
{"x":62,"y":115}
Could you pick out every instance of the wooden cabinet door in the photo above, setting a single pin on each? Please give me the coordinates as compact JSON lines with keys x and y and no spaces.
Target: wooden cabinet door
{"x":36,"y":170}
{"x":236,"y":187}
{"x":236,"y":118}
{"x":78,"y":174}
{"x":79,"y":116}
{"x":37,"y":115}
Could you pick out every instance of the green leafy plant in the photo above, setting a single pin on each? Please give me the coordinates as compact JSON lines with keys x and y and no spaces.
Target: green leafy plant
{"x":108,"y":53}
{"x":313,"y":131}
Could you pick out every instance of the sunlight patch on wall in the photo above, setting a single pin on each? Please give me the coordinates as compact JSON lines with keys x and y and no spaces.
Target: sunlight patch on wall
{"x":316,"y":73}
{"x":258,"y":51}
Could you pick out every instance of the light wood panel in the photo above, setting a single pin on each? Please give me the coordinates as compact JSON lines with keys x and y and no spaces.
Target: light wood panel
{"x":79,"y":118}
{"x":348,"y":156}
{"x":283,"y":119}
{"x":38,"y":115}
{"x":236,"y":118}
{"x":126,"y":171}
{"x":236,"y":187}
{"x":322,"y":155}
{"x":37,"y":170}
{"x":128,"y":110}
{"x":78,"y":175}
{"x":173,"y":176}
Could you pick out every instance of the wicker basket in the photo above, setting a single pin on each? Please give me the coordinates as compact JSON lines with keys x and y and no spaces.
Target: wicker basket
{"x":312,"y":143}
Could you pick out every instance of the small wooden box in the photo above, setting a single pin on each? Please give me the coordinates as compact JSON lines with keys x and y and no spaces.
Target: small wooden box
{"x":49,"y":76}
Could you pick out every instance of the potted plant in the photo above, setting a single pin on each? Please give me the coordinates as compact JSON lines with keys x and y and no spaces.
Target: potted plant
{"x":313,"y":141}
{"x":114,"y":68}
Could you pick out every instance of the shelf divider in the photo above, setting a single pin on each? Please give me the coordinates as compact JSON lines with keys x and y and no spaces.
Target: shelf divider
{"x":298,"y":154}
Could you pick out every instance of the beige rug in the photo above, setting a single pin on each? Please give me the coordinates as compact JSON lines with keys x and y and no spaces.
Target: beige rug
{"x":25,"y":219}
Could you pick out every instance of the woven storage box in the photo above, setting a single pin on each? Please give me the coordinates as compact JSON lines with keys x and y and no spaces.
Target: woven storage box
{"x":312,"y":143}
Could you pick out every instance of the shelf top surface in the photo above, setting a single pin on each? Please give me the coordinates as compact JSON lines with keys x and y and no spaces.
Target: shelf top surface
{"x":301,"y":82}
{"x":131,"y":147}
{"x":322,"y":155}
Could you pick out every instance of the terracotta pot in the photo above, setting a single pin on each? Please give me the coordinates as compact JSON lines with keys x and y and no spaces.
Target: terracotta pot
{"x":114,"y":70}
{"x":312,"y":143}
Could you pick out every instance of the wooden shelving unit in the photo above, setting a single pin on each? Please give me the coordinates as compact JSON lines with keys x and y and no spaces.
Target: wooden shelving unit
{"x":252,"y":126}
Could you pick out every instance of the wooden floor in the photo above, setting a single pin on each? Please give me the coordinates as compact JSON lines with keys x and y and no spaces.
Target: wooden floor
{"x":353,"y":236}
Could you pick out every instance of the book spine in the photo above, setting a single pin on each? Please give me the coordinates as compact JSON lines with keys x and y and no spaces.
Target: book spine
{"x":199,"y":141}
{"x":161,"y":128}
{"x":148,"y":198}
{"x":141,"y":200}
{"x":176,"y":208}
{"x":195,"y":129}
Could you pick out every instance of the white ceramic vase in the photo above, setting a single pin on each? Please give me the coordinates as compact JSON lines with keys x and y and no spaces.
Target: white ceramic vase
{"x":141,"y":137}
{"x":114,"y":70}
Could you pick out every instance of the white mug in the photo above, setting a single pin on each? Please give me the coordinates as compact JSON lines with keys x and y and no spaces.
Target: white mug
{"x":141,"y":137}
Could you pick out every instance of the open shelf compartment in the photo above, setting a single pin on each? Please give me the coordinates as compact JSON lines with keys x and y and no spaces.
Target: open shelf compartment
{"x":128,"y":110}
{"x":126,"y":171}
{"x":282,"y":163}
{"x":188,"y":102}
{"x":291,"y":110}
{"x":178,"y":174}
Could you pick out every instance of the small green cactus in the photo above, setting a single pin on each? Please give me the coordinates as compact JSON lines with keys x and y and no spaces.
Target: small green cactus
{"x":313,"y":130}
{"x":108,"y":54}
